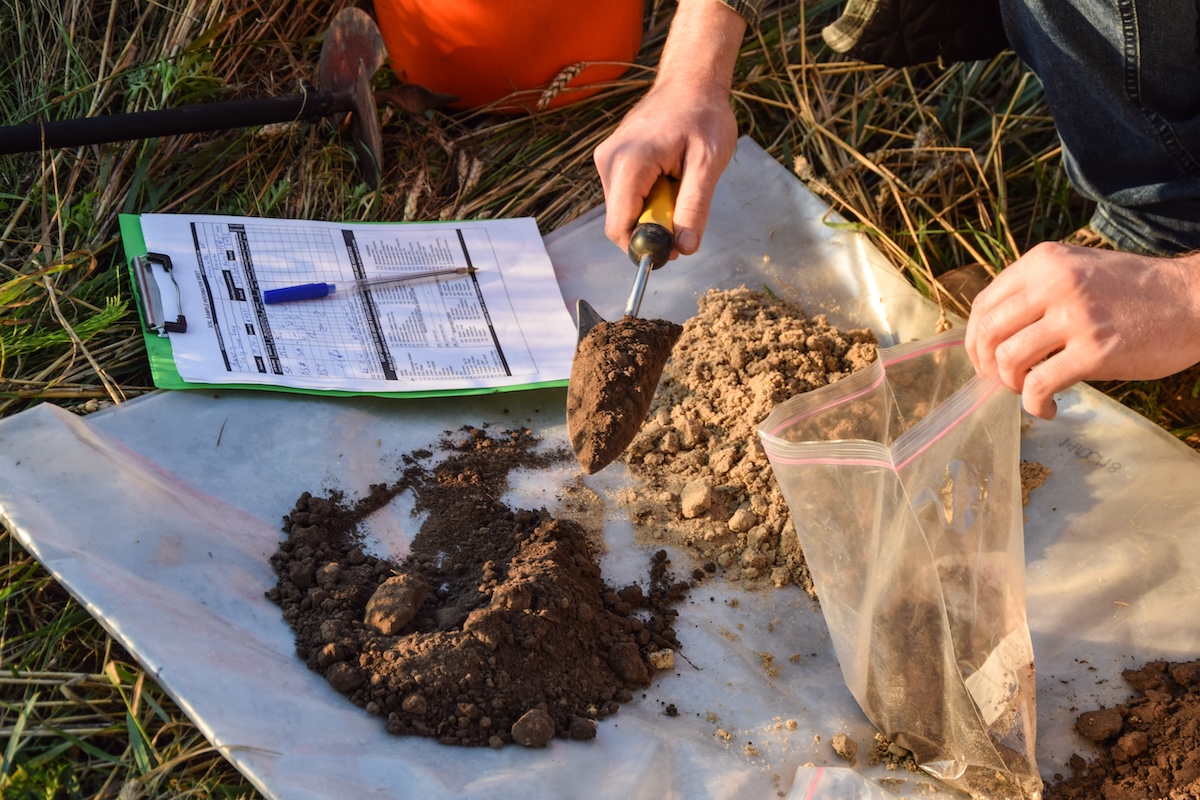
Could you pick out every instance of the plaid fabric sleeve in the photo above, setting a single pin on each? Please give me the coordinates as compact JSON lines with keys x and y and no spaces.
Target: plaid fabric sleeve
{"x":847,"y":29}
{"x":748,"y":9}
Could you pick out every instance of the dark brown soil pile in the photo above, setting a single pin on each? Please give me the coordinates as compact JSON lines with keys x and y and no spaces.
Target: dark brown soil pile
{"x":708,"y":486}
{"x":496,"y":627}
{"x":613,"y":377}
{"x":1149,"y":745}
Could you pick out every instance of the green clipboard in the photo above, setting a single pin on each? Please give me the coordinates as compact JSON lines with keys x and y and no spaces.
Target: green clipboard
{"x":158,"y":309}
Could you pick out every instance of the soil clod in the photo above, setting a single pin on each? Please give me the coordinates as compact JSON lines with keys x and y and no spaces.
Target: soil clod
{"x":706,"y":483}
{"x":1148,"y":746}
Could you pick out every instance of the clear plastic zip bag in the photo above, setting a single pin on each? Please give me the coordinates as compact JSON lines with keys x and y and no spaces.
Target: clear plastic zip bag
{"x":903,"y":484}
{"x":834,"y":783}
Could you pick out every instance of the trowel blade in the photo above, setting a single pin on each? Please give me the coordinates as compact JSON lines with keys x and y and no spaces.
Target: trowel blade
{"x":586,"y":318}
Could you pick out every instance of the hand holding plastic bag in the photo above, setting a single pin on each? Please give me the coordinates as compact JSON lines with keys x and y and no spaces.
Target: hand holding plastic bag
{"x":903,"y":482}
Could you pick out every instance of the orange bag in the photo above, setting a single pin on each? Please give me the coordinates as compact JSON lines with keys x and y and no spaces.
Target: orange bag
{"x":484,"y":50}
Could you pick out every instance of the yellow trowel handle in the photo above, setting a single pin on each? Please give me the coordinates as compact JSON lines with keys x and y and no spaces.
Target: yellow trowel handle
{"x":654,"y":236}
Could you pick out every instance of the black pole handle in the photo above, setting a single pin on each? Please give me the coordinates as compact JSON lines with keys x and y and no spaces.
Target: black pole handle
{"x":34,"y":136}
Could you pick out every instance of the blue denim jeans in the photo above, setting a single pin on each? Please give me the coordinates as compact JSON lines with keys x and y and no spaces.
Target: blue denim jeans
{"x":1122,"y":79}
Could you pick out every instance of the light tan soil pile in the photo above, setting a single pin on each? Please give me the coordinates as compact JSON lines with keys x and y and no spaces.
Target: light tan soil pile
{"x":709,"y":486}
{"x":1033,"y":475}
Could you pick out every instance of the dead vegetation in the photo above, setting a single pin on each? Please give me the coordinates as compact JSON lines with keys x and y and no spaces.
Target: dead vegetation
{"x":940,"y":167}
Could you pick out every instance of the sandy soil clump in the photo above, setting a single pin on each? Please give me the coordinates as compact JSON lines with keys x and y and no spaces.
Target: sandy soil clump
{"x":708,"y":485}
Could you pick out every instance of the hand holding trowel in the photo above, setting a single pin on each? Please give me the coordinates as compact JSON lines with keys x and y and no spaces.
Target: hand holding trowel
{"x":617,"y":364}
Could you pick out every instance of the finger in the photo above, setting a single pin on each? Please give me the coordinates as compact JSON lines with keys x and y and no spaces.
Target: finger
{"x":1057,"y":373}
{"x":1026,"y":349}
{"x":1039,"y":406}
{"x":625,"y":195}
{"x":982,"y":335}
{"x":995,"y":328}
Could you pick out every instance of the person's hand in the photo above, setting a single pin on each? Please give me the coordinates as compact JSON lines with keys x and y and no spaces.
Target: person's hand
{"x":1061,"y":314}
{"x":679,"y":130}
{"x":683,"y":127}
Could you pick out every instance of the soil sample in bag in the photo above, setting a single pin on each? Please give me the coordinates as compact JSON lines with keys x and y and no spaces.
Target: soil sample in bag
{"x":496,"y":627}
{"x":614,"y":373}
{"x":914,"y":697}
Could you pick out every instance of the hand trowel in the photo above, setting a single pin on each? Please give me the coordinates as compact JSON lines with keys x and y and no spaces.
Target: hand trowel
{"x":617,"y":365}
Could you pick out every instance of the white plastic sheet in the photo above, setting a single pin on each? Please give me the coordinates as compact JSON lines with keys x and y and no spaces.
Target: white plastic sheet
{"x":160,"y":515}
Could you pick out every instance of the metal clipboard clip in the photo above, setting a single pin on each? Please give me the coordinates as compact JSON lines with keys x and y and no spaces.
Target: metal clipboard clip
{"x":162,"y":308}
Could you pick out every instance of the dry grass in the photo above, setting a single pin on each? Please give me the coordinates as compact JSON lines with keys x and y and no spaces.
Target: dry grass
{"x":940,"y":167}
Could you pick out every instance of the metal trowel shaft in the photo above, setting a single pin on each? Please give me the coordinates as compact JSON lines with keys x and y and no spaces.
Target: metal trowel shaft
{"x":639,"y":287}
{"x":653,"y":239}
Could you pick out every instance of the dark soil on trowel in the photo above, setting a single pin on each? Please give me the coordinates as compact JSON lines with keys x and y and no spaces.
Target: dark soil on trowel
{"x":613,"y":377}
{"x":496,"y":627}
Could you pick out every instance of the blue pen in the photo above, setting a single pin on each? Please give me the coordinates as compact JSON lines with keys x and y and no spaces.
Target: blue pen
{"x":313,"y":291}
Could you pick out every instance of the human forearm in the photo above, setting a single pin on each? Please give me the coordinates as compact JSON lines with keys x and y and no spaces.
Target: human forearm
{"x":702,"y":46}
